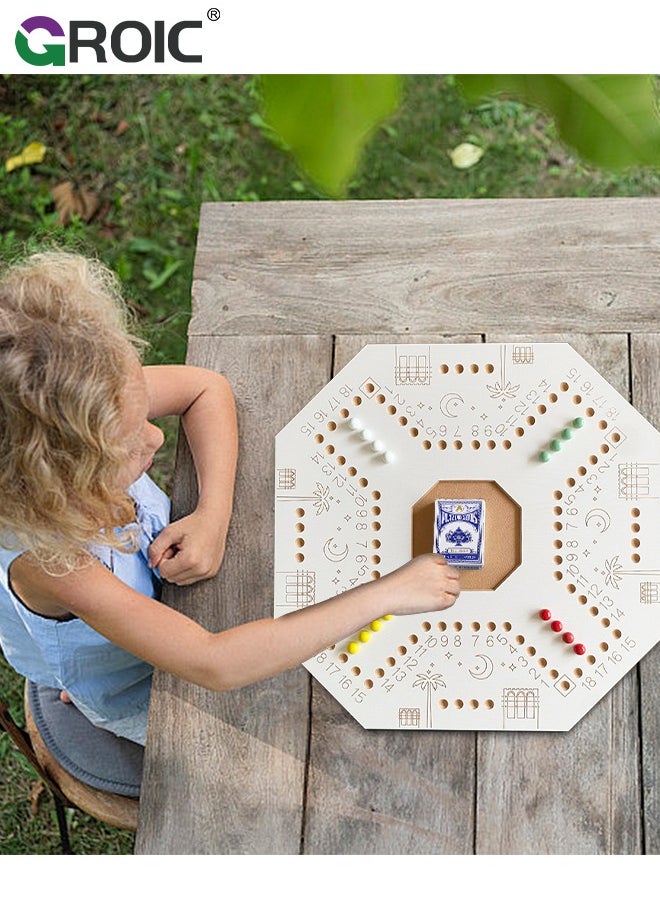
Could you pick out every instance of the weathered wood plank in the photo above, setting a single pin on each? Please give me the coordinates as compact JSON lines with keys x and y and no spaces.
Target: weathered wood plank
{"x":575,"y":792}
{"x":224,"y":773}
{"x":646,"y":398}
{"x":386,"y":792}
{"x":427,"y":266}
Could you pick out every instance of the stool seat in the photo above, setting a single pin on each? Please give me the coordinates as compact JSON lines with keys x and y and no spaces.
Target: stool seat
{"x":97,"y":771}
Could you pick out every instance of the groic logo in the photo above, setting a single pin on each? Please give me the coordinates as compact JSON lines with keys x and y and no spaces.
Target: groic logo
{"x":131,"y":41}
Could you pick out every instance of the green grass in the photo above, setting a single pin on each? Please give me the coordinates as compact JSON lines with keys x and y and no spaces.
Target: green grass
{"x":152,"y":149}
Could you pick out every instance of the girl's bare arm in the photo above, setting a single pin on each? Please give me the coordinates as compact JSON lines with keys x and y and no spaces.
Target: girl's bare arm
{"x":249,"y":652}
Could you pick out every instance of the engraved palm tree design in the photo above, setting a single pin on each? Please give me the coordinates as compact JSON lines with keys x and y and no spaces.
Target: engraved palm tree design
{"x":503,"y":388}
{"x":322,"y":498}
{"x":429,"y":683}
{"x":614,"y":572}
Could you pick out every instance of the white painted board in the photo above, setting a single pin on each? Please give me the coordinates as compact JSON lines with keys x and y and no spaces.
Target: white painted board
{"x":343,"y":503}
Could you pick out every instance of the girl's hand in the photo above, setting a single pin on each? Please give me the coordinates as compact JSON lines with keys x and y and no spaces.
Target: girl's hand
{"x":424,"y":584}
{"x":190,"y":549}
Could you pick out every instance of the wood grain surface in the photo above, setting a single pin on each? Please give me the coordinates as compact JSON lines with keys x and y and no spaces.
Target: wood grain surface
{"x":446,"y":266}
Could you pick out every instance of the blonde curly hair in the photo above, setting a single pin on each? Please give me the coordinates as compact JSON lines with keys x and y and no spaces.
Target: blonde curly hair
{"x":65,"y":342}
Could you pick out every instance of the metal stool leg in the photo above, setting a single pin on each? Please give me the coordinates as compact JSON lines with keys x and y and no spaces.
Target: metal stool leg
{"x":60,"y":810}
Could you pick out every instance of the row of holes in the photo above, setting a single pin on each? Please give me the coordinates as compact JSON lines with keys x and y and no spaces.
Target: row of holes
{"x":531,"y":651}
{"x":460,"y":368}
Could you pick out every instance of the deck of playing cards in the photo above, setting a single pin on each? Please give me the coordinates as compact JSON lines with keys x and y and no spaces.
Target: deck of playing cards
{"x":459,"y":531}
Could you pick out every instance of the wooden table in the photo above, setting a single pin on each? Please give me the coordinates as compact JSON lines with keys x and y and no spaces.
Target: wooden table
{"x":285,"y":293}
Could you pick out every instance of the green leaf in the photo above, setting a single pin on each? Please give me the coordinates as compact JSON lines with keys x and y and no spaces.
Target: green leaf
{"x":156,"y":280}
{"x":326,"y":120}
{"x":610,"y":120}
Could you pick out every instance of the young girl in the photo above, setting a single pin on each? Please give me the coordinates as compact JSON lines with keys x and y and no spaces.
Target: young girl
{"x":85,"y":537}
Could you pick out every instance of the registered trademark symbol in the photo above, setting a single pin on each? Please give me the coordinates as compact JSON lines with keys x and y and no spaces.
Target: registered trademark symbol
{"x":213,"y":14}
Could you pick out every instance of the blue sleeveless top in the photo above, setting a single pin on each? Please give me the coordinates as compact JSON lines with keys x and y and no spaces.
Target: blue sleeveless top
{"x":110,"y":686}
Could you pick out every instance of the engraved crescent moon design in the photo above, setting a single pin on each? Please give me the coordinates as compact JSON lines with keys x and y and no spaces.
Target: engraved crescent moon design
{"x":600,"y":519}
{"x":332,"y":553}
{"x":484,"y":669}
{"x":449,"y":404}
